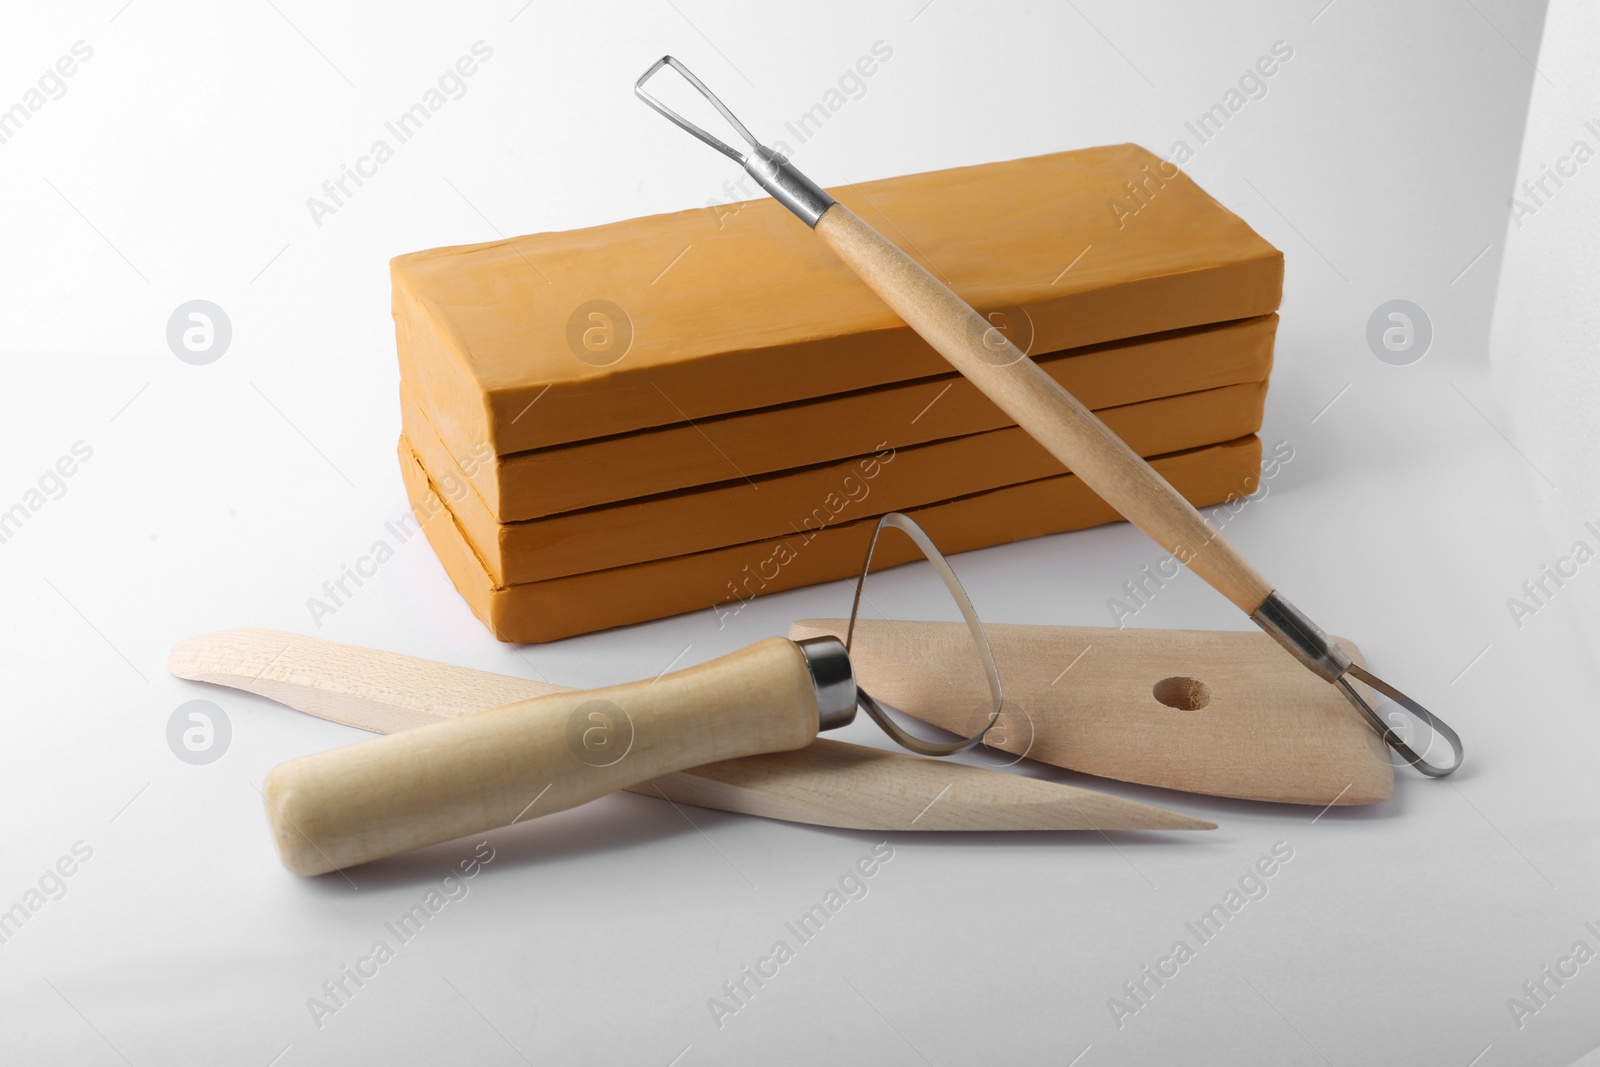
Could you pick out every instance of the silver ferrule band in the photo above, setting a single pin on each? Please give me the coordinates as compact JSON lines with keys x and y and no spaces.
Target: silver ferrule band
{"x":1290,"y":627}
{"x":833,"y":679}
{"x":787,"y":185}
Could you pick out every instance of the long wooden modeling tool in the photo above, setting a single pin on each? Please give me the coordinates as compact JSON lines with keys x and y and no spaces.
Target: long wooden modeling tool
{"x":1058,"y":421}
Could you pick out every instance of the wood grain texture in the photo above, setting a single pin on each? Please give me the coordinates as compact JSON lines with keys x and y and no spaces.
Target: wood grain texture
{"x":384,"y":692}
{"x":1057,"y":420}
{"x":834,"y":783}
{"x":460,"y":776}
{"x":827,"y":783}
{"x":1250,"y":722}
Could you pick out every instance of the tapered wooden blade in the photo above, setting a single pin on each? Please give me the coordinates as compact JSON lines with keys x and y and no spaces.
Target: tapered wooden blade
{"x":834,"y":783}
{"x":1225,"y":713}
{"x":828,"y":783}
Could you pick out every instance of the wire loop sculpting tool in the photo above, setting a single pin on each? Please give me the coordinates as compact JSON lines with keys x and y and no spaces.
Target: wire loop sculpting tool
{"x":462,"y":776}
{"x":1058,"y":421}
{"x":827,"y":783}
{"x":872,"y":707}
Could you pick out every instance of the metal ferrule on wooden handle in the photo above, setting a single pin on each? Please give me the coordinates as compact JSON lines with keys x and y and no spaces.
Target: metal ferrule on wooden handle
{"x":463,"y":776}
{"x":1036,"y":402}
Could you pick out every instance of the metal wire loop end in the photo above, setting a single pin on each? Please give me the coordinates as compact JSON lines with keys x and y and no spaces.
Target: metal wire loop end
{"x":771,"y":170}
{"x":683,"y":123}
{"x":908,"y":526}
{"x":1321,"y":654}
{"x":1441,"y":729}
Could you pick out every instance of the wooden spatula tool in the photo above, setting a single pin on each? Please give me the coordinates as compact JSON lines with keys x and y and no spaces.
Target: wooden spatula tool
{"x":1224,"y":713}
{"x":1059,"y":422}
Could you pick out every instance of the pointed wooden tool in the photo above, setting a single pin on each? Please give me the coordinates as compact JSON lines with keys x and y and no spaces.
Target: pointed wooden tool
{"x":1225,"y":713}
{"x":827,"y":783}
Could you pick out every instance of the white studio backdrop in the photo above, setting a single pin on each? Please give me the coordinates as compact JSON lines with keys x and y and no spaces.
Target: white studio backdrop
{"x":186,"y":157}
{"x":1547,"y":309}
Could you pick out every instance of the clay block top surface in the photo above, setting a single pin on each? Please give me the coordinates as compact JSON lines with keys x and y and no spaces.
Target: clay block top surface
{"x":738,"y":307}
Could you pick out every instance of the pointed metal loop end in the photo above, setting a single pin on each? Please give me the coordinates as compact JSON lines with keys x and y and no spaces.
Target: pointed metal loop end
{"x":908,"y":526}
{"x":771,"y":170}
{"x":683,"y":123}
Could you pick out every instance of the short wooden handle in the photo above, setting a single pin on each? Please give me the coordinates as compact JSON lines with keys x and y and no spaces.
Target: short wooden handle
{"x":1036,"y":402}
{"x":471,"y":774}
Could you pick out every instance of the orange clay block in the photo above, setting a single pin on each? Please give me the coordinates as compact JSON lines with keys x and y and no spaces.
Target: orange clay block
{"x":774,"y":505}
{"x":713,"y":311}
{"x":528,"y":485}
{"x":720,"y":579}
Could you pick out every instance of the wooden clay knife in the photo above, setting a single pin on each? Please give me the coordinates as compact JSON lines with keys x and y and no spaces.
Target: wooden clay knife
{"x":827,"y":783}
{"x":1223,"y":713}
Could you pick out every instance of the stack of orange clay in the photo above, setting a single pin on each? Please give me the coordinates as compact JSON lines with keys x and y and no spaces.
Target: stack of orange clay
{"x":681,"y":412}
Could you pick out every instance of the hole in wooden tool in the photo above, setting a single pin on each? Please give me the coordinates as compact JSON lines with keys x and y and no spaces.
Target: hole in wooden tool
{"x":1185,"y":694}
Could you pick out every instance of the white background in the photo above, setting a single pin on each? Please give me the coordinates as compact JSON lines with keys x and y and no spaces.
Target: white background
{"x":177,"y":166}
{"x":1545,"y":327}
